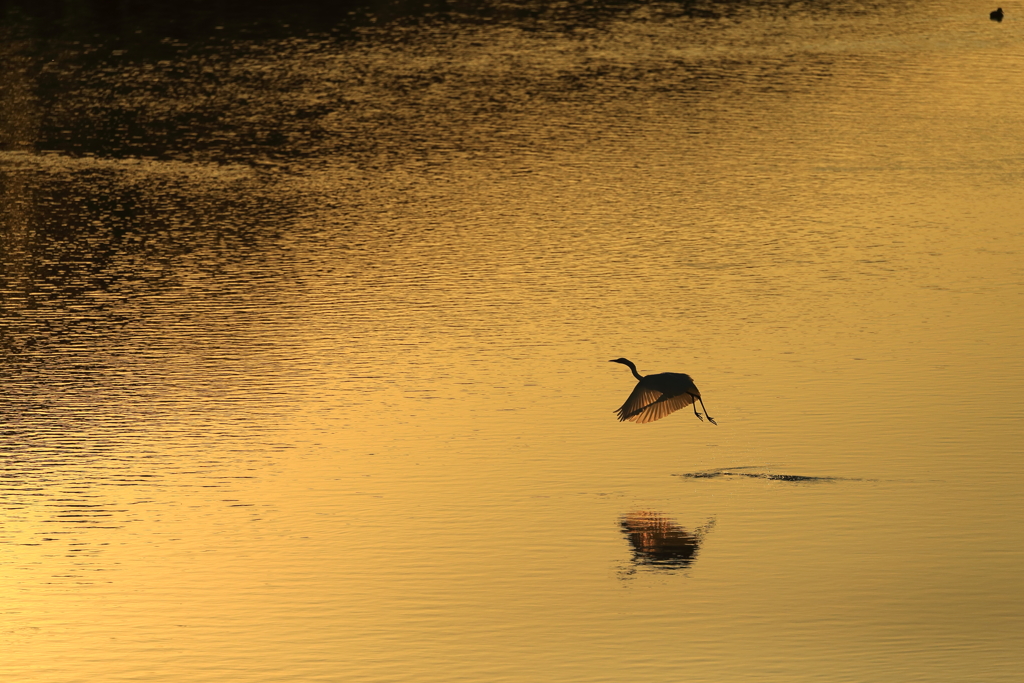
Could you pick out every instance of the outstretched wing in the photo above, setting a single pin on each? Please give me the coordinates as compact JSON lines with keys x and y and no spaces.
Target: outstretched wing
{"x":647,"y":405}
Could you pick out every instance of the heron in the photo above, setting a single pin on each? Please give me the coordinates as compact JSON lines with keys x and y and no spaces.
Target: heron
{"x":997,"y":15}
{"x":656,"y":396}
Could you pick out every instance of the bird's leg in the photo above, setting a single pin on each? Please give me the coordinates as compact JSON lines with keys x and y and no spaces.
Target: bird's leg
{"x":710,"y":419}
{"x":694,"y":404}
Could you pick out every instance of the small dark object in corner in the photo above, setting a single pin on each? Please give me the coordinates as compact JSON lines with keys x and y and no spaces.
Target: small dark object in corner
{"x":997,"y":15}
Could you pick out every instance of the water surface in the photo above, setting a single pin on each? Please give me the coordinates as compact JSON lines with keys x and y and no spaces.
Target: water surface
{"x":306,"y":329}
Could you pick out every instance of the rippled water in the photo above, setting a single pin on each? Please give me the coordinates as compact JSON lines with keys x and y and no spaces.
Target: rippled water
{"x":306,"y":329}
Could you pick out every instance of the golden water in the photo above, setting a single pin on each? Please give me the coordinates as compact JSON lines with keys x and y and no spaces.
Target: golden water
{"x":315,"y":386}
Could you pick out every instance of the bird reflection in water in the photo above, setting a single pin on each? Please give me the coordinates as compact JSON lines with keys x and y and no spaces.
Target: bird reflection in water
{"x":660,"y":542}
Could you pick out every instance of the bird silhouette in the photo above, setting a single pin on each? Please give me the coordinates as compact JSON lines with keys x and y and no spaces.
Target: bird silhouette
{"x":656,"y":396}
{"x":997,"y":15}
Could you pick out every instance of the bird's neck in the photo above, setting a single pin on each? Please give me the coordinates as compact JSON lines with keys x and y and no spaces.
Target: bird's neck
{"x":635,"y":373}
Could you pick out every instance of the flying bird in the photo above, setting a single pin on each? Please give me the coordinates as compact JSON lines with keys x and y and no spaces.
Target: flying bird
{"x":656,"y":396}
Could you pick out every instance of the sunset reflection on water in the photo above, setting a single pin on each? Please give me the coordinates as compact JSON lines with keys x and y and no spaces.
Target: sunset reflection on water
{"x":307,"y":320}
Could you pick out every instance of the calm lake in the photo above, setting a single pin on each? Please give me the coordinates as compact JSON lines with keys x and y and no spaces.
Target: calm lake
{"x":306,"y":314}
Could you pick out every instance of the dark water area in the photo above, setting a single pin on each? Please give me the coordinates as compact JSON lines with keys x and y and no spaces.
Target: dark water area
{"x":133,"y":22}
{"x":200,"y":81}
{"x":190,"y":19}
